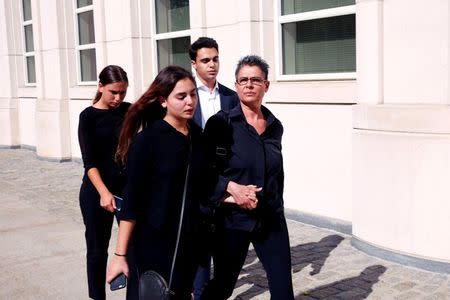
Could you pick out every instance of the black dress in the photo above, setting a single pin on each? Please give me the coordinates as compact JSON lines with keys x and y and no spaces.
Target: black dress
{"x":156,"y":172}
{"x":98,"y":133}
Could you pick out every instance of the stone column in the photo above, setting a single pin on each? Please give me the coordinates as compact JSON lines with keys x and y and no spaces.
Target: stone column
{"x":52,"y":113}
{"x":10,"y":53}
{"x":369,"y":51}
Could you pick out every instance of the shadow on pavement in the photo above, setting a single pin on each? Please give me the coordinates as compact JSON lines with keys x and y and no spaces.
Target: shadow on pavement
{"x":314,"y":253}
{"x":355,"y":288}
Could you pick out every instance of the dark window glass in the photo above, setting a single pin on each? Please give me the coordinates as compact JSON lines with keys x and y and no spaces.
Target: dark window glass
{"x":26,"y":4}
{"x":88,"y":65}
{"x":174,"y":52}
{"x":298,"y":6}
{"x":29,"y":43}
{"x":86,"y":32}
{"x":319,"y":46}
{"x":172,"y":15}
{"x":83,"y":3}
{"x":31,"y":69}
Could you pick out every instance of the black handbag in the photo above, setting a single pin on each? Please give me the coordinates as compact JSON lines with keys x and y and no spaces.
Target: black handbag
{"x":152,"y":286}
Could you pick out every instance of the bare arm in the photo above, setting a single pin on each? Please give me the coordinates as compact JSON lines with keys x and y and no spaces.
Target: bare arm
{"x":119,"y":264}
{"x":106,"y":198}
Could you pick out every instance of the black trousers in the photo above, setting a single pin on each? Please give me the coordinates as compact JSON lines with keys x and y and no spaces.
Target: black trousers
{"x":273,"y":250}
{"x":98,"y":224}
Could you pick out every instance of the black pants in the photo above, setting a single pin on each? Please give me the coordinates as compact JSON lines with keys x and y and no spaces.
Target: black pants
{"x":271,"y":247}
{"x":98,"y":224}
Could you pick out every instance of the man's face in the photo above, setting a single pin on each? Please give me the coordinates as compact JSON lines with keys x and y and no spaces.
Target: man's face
{"x":206,"y":64}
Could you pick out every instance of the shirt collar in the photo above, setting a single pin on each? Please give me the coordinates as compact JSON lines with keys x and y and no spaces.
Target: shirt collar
{"x":203,"y":87}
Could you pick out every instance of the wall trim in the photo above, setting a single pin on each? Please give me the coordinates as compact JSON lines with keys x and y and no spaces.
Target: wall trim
{"x":9,"y":146}
{"x":28,"y":147}
{"x":52,"y":159}
{"x":77,"y":160}
{"x":341,"y":226}
{"x":403,"y":259}
{"x":44,"y":158}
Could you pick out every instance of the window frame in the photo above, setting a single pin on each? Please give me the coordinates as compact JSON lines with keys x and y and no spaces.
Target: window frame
{"x":299,"y":17}
{"x":26,"y":53}
{"x":166,"y":35}
{"x":78,"y":47}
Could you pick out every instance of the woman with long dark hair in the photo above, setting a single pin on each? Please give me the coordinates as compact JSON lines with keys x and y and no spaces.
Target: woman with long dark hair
{"x":98,"y":134}
{"x":158,"y":142}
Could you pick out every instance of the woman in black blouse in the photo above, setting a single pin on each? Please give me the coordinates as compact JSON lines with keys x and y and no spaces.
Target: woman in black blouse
{"x":248,"y":196}
{"x":98,"y":134}
{"x":156,"y":164}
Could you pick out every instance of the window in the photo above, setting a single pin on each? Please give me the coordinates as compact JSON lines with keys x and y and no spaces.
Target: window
{"x":172,"y":33}
{"x":317,"y":39}
{"x":86,"y":41}
{"x":30,"y":63}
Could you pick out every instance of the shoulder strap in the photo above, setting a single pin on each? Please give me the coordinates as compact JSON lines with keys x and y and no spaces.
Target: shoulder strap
{"x":223,"y":140}
{"x":181,"y":214}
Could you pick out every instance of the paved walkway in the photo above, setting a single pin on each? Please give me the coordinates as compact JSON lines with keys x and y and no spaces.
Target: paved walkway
{"x":42,"y":247}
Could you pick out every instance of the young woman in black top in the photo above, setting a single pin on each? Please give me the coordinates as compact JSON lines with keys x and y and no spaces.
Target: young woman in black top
{"x":98,"y":134}
{"x":156,"y":163}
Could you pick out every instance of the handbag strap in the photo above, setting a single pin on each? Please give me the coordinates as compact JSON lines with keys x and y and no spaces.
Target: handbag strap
{"x":181,"y":214}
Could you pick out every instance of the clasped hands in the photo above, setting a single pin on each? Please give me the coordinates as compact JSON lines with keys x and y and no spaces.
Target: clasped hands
{"x":242,"y":195}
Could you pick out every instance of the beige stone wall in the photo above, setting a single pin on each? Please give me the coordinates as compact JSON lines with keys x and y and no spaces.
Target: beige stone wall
{"x":401,"y":130}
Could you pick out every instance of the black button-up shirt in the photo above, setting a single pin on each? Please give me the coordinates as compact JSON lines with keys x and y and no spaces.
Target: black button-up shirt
{"x":251,"y":159}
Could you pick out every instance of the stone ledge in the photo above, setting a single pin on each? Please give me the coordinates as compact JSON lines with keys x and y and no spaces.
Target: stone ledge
{"x":43,"y":158}
{"x":319,"y":221}
{"x":400,"y":258}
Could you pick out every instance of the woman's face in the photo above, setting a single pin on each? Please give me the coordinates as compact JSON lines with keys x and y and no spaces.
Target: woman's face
{"x":181,"y":102}
{"x":251,"y":85}
{"x":113,"y":93}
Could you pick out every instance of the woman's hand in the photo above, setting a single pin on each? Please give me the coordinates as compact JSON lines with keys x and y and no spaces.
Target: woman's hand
{"x":107,"y":201}
{"x":106,"y":198}
{"x":117,"y":265}
{"x":243,"y":195}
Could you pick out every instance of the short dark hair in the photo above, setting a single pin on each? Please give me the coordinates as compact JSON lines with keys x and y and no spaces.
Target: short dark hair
{"x":202,"y":42}
{"x":252,"y":60}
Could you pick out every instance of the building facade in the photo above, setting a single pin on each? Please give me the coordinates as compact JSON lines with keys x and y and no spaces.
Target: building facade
{"x":362,"y":89}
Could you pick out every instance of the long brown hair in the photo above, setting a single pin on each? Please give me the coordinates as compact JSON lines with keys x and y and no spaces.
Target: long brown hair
{"x":148,"y":107}
{"x":110,"y":74}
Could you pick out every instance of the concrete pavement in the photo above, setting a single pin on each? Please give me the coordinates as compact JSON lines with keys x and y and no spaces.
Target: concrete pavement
{"x":42,"y":250}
